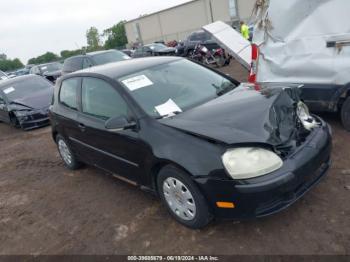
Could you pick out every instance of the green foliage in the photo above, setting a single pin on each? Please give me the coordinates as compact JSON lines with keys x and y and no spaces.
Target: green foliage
{"x":93,"y":39}
{"x":45,"y":58}
{"x":68,"y":53}
{"x":116,"y":36}
{"x":10,"y":65}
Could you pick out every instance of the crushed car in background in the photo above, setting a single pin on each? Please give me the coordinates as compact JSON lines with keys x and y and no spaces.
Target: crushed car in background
{"x":306,"y":42}
{"x":25,"y":101}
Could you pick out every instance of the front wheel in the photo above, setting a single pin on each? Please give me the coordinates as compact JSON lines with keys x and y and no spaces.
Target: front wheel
{"x":182,"y":198}
{"x":66,"y":154}
{"x":345,"y":114}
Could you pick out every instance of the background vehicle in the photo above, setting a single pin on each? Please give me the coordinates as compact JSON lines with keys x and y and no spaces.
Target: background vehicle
{"x":51,"y":71}
{"x":25,"y":100}
{"x":291,"y":48}
{"x":215,"y":57}
{"x":3,"y":76}
{"x":22,"y":72}
{"x":79,"y":62}
{"x":187,"y":47}
{"x":155,"y":49}
{"x":208,"y":146}
{"x":128,"y":52}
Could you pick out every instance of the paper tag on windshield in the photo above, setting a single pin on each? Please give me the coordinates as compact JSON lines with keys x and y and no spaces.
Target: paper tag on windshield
{"x":137,"y":82}
{"x":168,"y":108}
{"x":9,"y":90}
{"x":44,"y":68}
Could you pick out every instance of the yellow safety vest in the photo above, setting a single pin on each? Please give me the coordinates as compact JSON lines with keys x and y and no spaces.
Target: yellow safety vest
{"x":245,"y":31}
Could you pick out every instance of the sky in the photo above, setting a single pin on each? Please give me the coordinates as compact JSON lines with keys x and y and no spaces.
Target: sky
{"x":29,"y":28}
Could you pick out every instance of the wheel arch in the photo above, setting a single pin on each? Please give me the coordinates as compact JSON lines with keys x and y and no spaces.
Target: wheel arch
{"x":342,"y":96}
{"x":158,"y":166}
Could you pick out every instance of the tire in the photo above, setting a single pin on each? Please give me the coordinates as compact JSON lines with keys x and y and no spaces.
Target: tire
{"x":220,"y":61}
{"x":178,"y":192}
{"x":69,"y":160}
{"x":345,"y":114}
{"x":14,"y":121}
{"x":190,"y":53}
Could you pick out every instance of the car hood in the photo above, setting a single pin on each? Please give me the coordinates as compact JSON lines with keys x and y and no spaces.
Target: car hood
{"x":244,"y":115}
{"x":38,"y":100}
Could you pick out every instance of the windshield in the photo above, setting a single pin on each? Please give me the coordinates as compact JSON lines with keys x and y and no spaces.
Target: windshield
{"x":157,"y":47}
{"x":200,"y":36}
{"x":51,"y":67}
{"x":26,"y":88}
{"x":175,"y":87}
{"x":109,"y":57}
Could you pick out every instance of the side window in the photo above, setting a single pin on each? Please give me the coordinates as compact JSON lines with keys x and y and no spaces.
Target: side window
{"x":68,"y":93}
{"x":138,"y":51}
{"x":101,"y":100}
{"x":35,"y":70}
{"x":87,"y":63}
{"x":146,"y":49}
{"x":73,"y":64}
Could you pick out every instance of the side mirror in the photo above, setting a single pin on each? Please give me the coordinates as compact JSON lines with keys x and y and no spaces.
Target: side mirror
{"x":119,"y":123}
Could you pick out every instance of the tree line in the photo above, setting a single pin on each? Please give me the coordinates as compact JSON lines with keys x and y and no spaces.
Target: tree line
{"x":111,"y":38}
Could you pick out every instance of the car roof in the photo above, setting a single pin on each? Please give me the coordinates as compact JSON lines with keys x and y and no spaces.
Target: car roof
{"x":12,"y":81}
{"x":89,"y":54}
{"x":100,"y":52}
{"x":48,"y":64}
{"x":126,"y":67}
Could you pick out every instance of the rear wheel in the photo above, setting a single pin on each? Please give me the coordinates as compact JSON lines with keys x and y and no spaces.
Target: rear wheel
{"x":66,"y":154}
{"x":182,"y":198}
{"x":345,"y":114}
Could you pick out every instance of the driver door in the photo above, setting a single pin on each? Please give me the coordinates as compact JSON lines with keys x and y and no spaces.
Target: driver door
{"x":118,"y":152}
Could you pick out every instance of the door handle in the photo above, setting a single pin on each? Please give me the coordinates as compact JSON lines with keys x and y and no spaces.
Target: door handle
{"x":82,"y":127}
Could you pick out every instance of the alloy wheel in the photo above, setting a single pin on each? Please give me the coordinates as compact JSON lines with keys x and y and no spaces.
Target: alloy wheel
{"x":65,"y":152}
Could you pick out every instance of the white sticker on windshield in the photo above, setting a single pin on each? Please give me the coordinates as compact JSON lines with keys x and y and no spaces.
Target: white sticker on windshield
{"x":137,"y":82}
{"x":44,"y":68}
{"x":168,"y":108}
{"x":9,"y":90}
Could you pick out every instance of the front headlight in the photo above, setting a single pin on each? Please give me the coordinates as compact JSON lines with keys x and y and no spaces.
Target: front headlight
{"x":250,"y":162}
{"x":22,"y":113}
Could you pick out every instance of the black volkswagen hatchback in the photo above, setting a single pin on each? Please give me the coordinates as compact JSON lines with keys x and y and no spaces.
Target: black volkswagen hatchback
{"x":209,"y":146}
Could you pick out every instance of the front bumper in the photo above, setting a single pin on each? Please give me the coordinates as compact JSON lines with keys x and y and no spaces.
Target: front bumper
{"x":34,"y":120}
{"x":272,"y":193}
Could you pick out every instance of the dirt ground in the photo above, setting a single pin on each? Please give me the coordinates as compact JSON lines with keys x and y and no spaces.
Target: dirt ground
{"x":46,"y":209}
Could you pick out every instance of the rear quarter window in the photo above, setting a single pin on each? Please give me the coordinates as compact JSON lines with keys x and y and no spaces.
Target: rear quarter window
{"x":68,"y":93}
